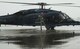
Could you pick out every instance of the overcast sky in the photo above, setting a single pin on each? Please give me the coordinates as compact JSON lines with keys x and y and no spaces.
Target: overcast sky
{"x":73,"y":12}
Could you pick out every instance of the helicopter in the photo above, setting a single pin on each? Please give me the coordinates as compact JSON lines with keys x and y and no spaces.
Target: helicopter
{"x":36,"y":17}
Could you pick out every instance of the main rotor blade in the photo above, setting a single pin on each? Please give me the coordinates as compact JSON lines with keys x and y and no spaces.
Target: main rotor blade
{"x":63,"y":4}
{"x":37,"y":3}
{"x":18,"y":2}
{"x":74,"y":6}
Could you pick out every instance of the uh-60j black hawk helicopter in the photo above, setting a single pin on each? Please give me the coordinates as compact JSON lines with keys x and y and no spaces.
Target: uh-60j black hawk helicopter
{"x":36,"y":17}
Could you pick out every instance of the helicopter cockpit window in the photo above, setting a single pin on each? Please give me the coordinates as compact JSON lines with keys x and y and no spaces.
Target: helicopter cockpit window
{"x":66,"y":16}
{"x":62,"y":16}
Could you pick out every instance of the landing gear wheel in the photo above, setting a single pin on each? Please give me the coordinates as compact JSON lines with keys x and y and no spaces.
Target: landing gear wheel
{"x":47,"y":27}
{"x":50,"y":28}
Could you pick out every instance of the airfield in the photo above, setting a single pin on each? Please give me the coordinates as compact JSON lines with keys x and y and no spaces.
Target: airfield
{"x":28,"y":37}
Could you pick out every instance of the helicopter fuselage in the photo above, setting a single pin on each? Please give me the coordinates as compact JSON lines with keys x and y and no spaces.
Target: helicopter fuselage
{"x":33,"y":17}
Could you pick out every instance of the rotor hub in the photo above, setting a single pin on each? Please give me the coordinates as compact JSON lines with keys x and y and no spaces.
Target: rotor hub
{"x":42,"y":5}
